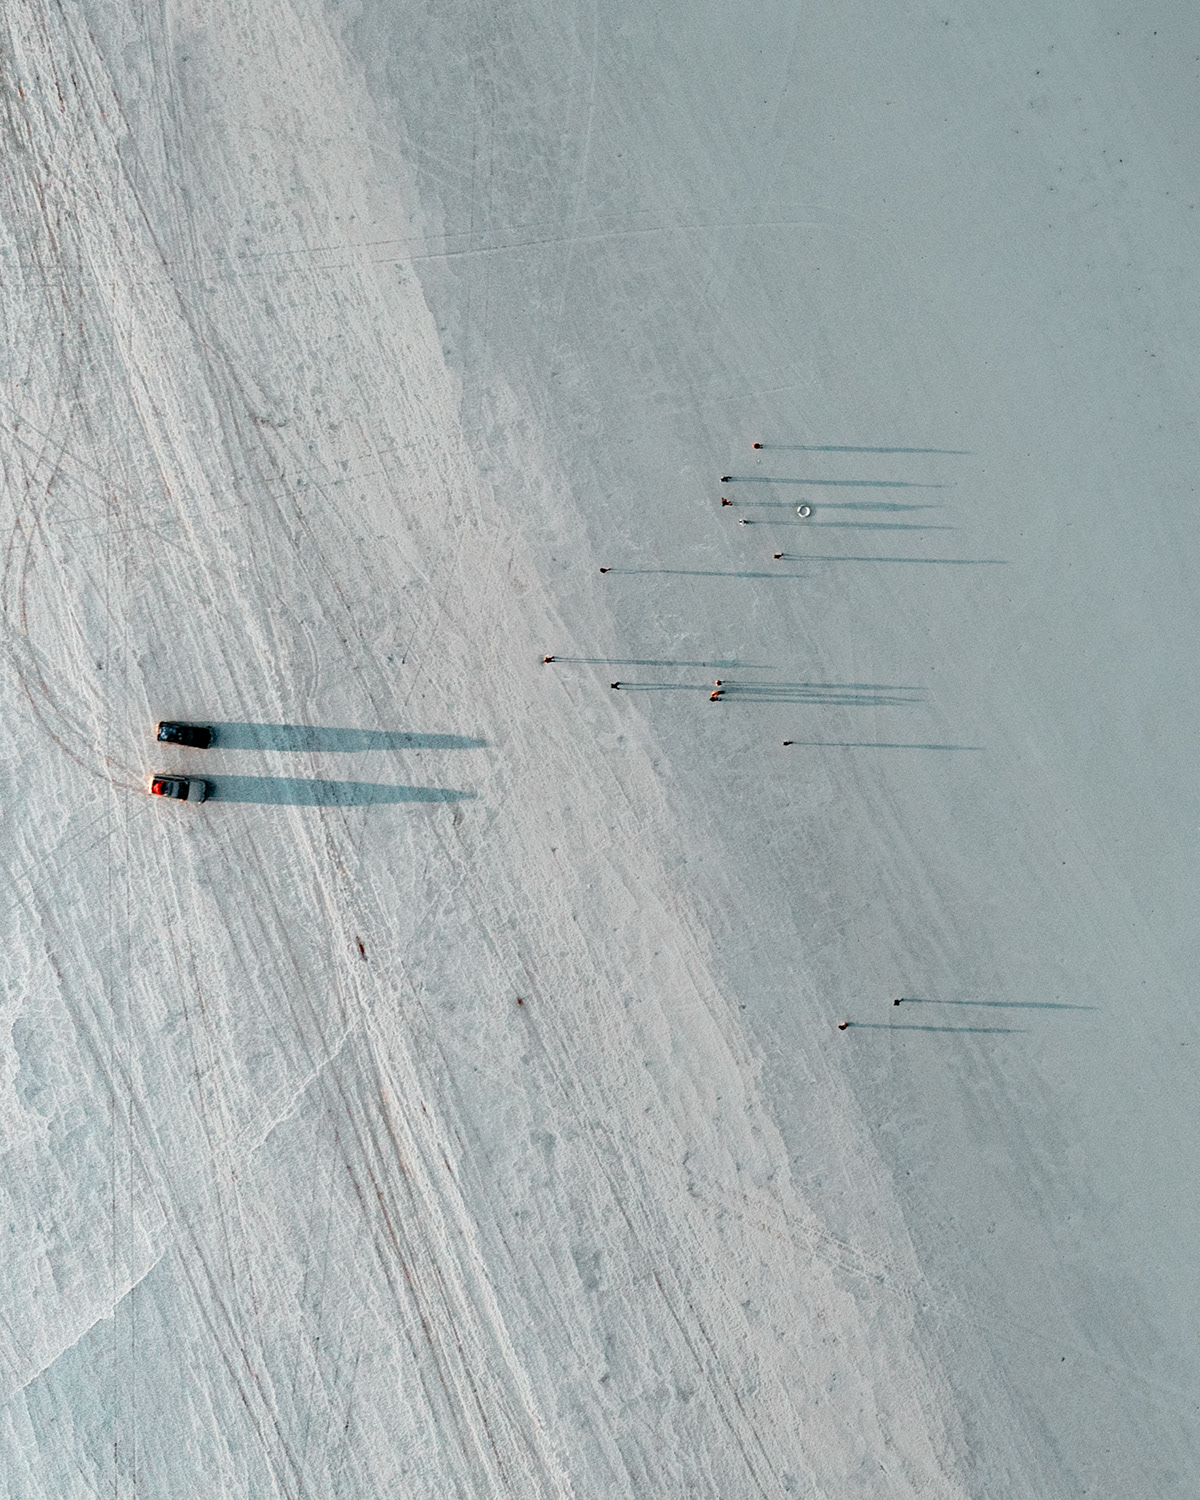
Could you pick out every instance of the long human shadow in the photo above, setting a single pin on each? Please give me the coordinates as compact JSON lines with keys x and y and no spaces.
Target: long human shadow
{"x":951,"y":562}
{"x":835,"y":694}
{"x":706,"y":573}
{"x":959,"y":1030}
{"x":888,"y":505}
{"x":841,"y":484}
{"x":863,"y":526}
{"x":807,"y":700}
{"x":817,"y":694}
{"x":291,"y":791}
{"x":875,"y":745}
{"x":328,"y":737}
{"x":623,"y":661}
{"x":807,"y":557}
{"x":1000,"y":1004}
{"x":841,"y":448}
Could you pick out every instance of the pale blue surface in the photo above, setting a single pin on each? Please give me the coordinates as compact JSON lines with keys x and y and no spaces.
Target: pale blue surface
{"x":865,"y":236}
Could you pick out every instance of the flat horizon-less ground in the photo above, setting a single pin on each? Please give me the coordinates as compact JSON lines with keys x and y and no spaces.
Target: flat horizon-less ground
{"x":455,"y":1103}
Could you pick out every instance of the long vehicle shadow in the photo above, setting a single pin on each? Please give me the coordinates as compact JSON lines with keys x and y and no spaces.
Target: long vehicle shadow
{"x":290,"y":791}
{"x":328,"y":737}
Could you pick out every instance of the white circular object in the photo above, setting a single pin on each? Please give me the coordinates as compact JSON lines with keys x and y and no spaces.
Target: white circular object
{"x":804,"y":510}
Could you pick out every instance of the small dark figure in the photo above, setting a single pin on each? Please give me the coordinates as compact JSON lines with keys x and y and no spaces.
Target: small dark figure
{"x":718,"y":683}
{"x":842,"y":1025}
{"x":725,"y":478}
{"x":546,"y":659}
{"x":897,"y":1002}
{"x":614,"y":684}
{"x":715,"y":696}
{"x":606,"y":570}
{"x":725,"y":502}
{"x":758,"y":445}
{"x":520,"y":1001}
{"x":777,"y":555}
{"x":788,"y":742}
{"x":742,"y":521}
